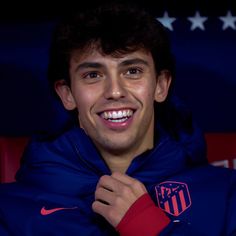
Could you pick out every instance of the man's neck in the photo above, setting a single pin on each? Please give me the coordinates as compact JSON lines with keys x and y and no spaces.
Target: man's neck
{"x":122,"y":162}
{"x":120,"y":158}
{"x":118,"y":163}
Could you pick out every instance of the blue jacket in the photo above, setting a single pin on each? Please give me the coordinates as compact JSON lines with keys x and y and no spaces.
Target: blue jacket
{"x":61,"y":175}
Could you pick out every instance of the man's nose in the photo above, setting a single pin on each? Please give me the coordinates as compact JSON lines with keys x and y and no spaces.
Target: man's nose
{"x":115,"y":88}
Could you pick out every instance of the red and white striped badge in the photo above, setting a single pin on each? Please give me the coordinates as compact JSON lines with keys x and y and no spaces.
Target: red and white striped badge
{"x":173,"y":197}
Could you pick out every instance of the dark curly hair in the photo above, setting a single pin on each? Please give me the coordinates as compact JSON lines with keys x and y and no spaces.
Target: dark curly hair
{"x":115,"y":29}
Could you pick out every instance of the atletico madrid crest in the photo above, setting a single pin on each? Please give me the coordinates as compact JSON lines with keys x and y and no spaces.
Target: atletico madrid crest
{"x":173,"y":197}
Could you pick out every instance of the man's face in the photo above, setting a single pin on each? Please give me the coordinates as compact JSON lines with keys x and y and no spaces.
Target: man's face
{"x":114,"y":97}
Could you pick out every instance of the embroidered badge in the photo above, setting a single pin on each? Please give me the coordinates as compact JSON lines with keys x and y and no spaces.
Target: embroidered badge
{"x":173,"y":197}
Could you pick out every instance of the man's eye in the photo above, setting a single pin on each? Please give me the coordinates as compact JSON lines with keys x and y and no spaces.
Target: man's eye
{"x":133,"y":71}
{"x":91,"y":75}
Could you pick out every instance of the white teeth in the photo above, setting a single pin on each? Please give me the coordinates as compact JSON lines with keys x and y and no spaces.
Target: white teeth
{"x":115,"y":115}
{"x":121,"y":115}
{"x":120,"y":120}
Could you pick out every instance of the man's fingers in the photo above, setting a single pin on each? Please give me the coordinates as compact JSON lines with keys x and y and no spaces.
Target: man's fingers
{"x":107,"y":182}
{"x":100,"y":207}
{"x":136,"y":185}
{"x":104,"y":195}
{"x":108,"y":212}
{"x":119,"y":182}
{"x":125,"y":179}
{"x":115,"y":194}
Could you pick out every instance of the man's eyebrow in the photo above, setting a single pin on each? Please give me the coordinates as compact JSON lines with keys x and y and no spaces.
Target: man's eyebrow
{"x":84,"y":65}
{"x":133,"y":61}
{"x":97,"y":65}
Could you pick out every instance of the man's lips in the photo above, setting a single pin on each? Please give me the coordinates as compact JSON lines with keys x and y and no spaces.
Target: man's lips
{"x":119,"y":115}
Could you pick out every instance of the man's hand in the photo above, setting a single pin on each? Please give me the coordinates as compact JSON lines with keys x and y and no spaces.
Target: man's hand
{"x":115,"y":194}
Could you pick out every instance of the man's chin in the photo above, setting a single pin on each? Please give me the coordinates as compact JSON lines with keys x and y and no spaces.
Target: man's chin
{"x":117,"y":148}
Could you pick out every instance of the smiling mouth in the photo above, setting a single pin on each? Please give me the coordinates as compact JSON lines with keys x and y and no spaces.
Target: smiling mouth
{"x":117,"y":116}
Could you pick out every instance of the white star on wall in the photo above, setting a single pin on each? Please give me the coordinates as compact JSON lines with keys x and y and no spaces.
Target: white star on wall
{"x":166,"y":20}
{"x":197,"y":21}
{"x":229,"y":21}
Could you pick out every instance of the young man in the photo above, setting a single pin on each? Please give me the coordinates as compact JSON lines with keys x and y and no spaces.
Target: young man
{"x":134,"y":164}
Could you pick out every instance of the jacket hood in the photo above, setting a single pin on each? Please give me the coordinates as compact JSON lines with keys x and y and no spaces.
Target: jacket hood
{"x":70,"y":164}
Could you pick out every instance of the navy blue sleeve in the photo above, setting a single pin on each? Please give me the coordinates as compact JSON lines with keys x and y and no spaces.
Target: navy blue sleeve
{"x":3,"y":231}
{"x":231,"y":211}
{"x":179,"y":228}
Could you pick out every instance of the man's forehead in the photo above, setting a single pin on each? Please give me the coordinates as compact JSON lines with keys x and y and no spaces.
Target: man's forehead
{"x":93,"y":54}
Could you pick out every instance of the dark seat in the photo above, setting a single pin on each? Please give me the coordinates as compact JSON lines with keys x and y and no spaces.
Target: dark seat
{"x":221,"y":149}
{"x":11,"y":150}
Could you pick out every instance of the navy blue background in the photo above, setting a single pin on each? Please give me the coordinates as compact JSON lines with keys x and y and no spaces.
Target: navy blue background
{"x":206,"y":62}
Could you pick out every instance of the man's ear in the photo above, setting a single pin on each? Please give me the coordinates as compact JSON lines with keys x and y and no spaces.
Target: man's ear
{"x":163,"y":83}
{"x":64,"y":92}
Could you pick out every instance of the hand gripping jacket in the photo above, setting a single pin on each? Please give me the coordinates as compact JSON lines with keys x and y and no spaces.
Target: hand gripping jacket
{"x":55,"y":188}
